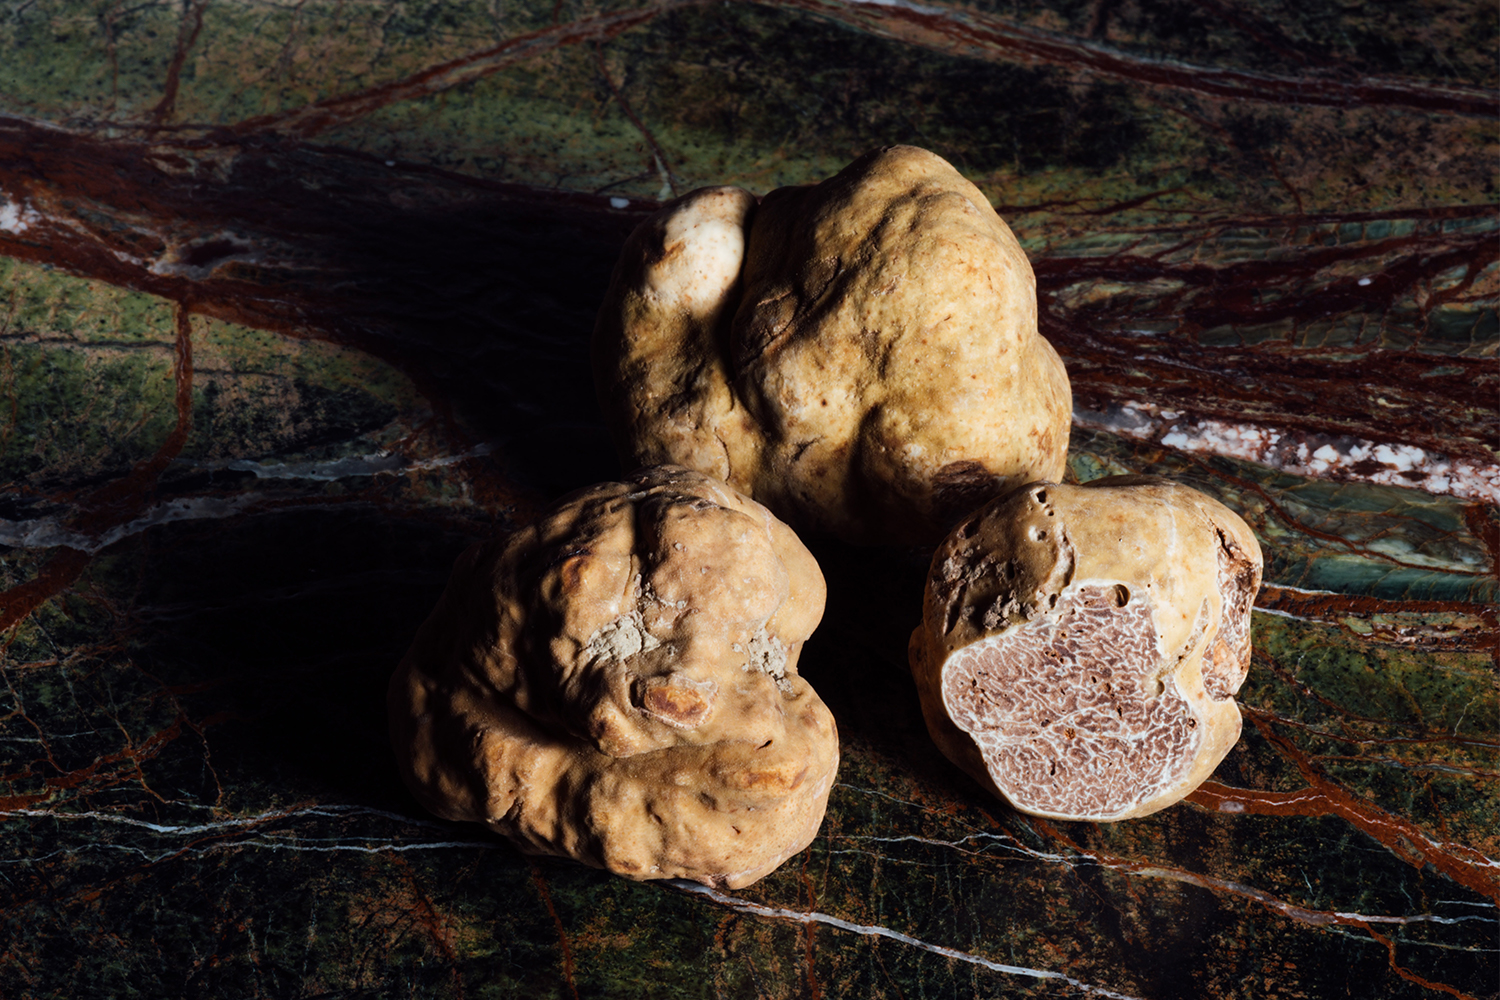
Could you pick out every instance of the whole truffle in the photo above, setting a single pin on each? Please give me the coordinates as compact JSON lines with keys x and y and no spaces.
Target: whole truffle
{"x":1081,"y":646}
{"x":859,"y":355}
{"x":617,"y":683}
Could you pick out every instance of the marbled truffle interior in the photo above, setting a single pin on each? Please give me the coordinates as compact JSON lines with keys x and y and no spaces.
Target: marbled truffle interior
{"x":1081,"y":646}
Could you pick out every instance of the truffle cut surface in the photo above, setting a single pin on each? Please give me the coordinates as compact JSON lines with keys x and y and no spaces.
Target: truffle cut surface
{"x":1081,"y":646}
{"x":1071,"y":714}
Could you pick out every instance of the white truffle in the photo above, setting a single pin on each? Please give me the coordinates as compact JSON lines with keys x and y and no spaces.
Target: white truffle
{"x":859,"y":355}
{"x":617,"y":683}
{"x":1080,"y":646}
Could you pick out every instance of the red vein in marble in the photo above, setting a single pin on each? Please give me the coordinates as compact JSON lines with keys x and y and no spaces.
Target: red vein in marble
{"x":1302,"y":914}
{"x":331,"y":112}
{"x":809,"y":933}
{"x":1410,"y":976}
{"x":1325,"y":797}
{"x":187,"y":34}
{"x":98,"y":773}
{"x":1148,"y":869}
{"x":1286,"y":517}
{"x":985,"y":36}
{"x":1332,"y":608}
{"x":55,"y":576}
{"x":562,"y":932}
{"x":69,"y":183}
{"x":1419,"y":736}
{"x":1319,"y":604}
{"x":437,"y":926}
{"x":115,"y":502}
{"x":669,"y":183}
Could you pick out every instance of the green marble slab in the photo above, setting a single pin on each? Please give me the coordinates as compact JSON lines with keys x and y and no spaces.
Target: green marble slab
{"x":294,"y":306}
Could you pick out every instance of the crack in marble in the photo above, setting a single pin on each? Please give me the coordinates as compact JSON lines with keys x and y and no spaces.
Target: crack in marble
{"x":226,"y":824}
{"x":1085,"y":857}
{"x":875,"y":930}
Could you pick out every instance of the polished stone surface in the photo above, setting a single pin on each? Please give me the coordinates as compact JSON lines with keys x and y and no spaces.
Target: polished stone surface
{"x":295,"y":303}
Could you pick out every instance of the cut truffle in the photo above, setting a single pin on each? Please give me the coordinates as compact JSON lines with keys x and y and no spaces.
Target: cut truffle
{"x":859,"y":355}
{"x":617,"y":683}
{"x":1080,"y":646}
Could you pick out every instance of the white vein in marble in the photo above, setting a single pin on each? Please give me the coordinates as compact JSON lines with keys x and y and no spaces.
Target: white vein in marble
{"x":1314,"y":455}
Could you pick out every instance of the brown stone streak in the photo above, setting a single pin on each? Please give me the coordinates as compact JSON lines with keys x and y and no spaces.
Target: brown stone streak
{"x":104,"y":210}
{"x":809,"y":933}
{"x":988,"y":37}
{"x":319,"y":116}
{"x":54,"y":168}
{"x":1326,"y":797}
{"x":1274,"y":382}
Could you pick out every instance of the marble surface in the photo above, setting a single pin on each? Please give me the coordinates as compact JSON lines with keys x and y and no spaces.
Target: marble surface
{"x":295,"y":303}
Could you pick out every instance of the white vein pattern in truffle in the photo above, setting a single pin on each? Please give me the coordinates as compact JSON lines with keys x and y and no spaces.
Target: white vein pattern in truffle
{"x":1066,"y":709}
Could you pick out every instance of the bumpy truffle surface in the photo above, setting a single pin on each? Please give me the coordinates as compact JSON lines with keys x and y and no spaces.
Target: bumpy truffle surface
{"x":859,"y":355}
{"x":1081,"y":646}
{"x":617,"y":683}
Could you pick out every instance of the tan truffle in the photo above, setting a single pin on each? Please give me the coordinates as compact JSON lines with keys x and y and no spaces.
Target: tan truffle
{"x":617,"y":683}
{"x":1080,"y":646}
{"x":859,"y":355}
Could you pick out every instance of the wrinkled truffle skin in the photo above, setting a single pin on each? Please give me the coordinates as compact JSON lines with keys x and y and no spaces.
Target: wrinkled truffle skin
{"x":860,"y":355}
{"x":617,"y":683}
{"x":1080,"y":646}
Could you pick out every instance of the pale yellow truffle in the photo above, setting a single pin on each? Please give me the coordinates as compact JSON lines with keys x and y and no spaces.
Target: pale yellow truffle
{"x":1081,"y":646}
{"x":617,"y":683}
{"x":859,"y":355}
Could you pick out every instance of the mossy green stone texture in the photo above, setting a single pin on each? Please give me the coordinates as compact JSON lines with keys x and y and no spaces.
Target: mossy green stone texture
{"x":294,"y":306}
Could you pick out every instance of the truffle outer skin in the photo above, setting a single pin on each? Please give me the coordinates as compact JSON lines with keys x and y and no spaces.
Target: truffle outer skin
{"x":1156,"y":578}
{"x":860,"y":355}
{"x":616,"y":683}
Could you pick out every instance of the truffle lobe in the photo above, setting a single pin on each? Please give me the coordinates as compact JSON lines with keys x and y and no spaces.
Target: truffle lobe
{"x":617,"y":683}
{"x":873,"y":372}
{"x":1081,"y":645}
